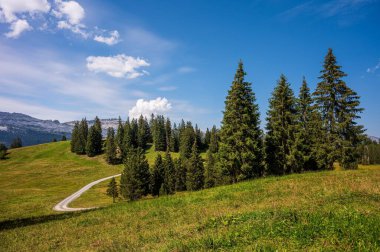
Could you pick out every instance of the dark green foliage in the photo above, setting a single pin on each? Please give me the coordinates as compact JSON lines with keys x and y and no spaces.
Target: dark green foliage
{"x":111,"y":157}
{"x":157,"y":178}
{"x":16,"y":143}
{"x":240,"y":147}
{"x":112,"y":189}
{"x":54,"y":140}
{"x":207,"y":138}
{"x":135,"y":178}
{"x":63,"y":138}
{"x":198,"y":137}
{"x":169,"y":182}
{"x":90,"y":146}
{"x":214,"y":139}
{"x":127,"y":140}
{"x":195,"y":170}
{"x":143,"y":135}
{"x":134,"y":128}
{"x":304,"y":149}
{"x":3,"y":151}
{"x":187,"y":138}
{"x":80,"y":144}
{"x":120,"y":135}
{"x":180,"y":174}
{"x":74,"y":138}
{"x":369,"y":152}
{"x":339,"y":107}
{"x":159,"y":133}
{"x":168,"y":133}
{"x":211,"y":174}
{"x":174,"y":139}
{"x":281,"y":129}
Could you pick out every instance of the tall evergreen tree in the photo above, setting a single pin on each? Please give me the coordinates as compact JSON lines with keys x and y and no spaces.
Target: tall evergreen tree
{"x":168,"y":132}
{"x":207,"y":138}
{"x":159,"y":135}
{"x":174,"y":139}
{"x":143,"y":135}
{"x":306,"y":135}
{"x":240,"y":148}
{"x":111,"y":147}
{"x":169,"y":174}
{"x":339,"y":107}
{"x":90,"y":144}
{"x":135,"y":178}
{"x":157,"y":178}
{"x":195,"y":170}
{"x":214,"y":139}
{"x":187,"y":139}
{"x":127,"y":140}
{"x":82,"y":137}
{"x":180,"y":174}
{"x":134,"y":133}
{"x":74,"y":138}
{"x":211,"y":175}
{"x":97,"y":136}
{"x":120,"y":135}
{"x":112,"y":189}
{"x":281,"y":129}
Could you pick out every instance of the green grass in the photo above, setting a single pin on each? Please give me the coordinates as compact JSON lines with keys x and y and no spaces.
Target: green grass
{"x":329,"y":211}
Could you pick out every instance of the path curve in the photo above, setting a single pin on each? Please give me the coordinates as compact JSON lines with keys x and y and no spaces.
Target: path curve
{"x":62,"y":206}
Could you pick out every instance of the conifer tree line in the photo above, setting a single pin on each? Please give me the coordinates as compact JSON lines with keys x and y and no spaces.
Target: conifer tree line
{"x":370,"y":152}
{"x":303,"y":132}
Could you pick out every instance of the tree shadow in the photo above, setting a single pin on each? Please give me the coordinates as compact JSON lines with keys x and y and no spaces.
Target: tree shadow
{"x":23,"y":222}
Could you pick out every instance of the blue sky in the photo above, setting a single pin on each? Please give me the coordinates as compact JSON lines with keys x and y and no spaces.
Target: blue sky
{"x":69,"y":59}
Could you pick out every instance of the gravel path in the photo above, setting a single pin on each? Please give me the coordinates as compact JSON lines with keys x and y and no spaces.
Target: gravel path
{"x":62,"y":206}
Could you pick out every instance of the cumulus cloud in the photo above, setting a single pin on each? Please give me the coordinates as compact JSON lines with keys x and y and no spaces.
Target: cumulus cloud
{"x":112,"y":40}
{"x":9,"y":9}
{"x":61,"y":14}
{"x":117,"y":66}
{"x":17,"y":28}
{"x":146,"y":108}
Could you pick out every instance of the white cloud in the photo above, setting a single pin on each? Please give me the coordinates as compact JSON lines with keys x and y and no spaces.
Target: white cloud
{"x":112,"y":40}
{"x":373,"y":69}
{"x":10,"y":8}
{"x":146,"y":108}
{"x":70,"y":10}
{"x":117,"y":66}
{"x":17,"y":28}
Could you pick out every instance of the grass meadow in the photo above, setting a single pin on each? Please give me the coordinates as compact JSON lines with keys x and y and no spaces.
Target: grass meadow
{"x":330,"y":210}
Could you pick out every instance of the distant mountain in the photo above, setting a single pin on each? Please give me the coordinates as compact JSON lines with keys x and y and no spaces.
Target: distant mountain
{"x":36,"y":131}
{"x":377,"y":139}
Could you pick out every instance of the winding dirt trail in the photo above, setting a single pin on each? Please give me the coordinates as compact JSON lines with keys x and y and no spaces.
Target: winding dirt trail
{"x":62,"y":206}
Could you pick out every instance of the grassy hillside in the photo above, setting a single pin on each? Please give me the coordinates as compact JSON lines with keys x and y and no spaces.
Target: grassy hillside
{"x":334,"y":210}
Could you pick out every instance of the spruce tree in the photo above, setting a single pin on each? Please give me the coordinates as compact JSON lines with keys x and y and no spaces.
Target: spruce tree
{"x":169,"y":174}
{"x":168,"y":132}
{"x":82,"y":137}
{"x":63,"y":138}
{"x":74,"y":137}
{"x":187,"y":139}
{"x":195,"y":170}
{"x":214,"y":139}
{"x":174,"y":139}
{"x":134,"y":128}
{"x":135,"y":178}
{"x":207,"y":138}
{"x":339,"y":107}
{"x":159,"y":135}
{"x":143,"y":132}
{"x":211,"y":175}
{"x":90,"y":144}
{"x":111,"y":147}
{"x":157,"y":178}
{"x":180,"y":174}
{"x":306,"y":132}
{"x":240,"y":148}
{"x":97,"y":136}
{"x":112,"y":189}
{"x":281,"y":129}
{"x":120,"y":135}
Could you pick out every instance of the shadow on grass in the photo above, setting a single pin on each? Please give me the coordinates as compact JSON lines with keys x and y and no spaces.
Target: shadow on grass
{"x":23,"y":222}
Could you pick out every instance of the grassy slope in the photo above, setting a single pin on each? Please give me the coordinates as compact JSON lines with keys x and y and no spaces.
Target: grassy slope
{"x":335,"y":210}
{"x":33,"y":179}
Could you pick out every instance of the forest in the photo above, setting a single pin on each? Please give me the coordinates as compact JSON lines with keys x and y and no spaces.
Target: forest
{"x":309,"y":132}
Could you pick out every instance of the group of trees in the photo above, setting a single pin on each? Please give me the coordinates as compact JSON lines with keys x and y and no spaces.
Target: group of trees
{"x":85,"y":140}
{"x":370,"y":152}
{"x":309,"y":132}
